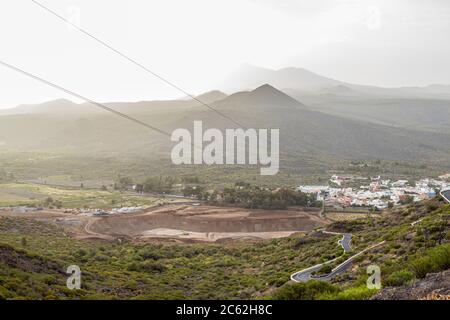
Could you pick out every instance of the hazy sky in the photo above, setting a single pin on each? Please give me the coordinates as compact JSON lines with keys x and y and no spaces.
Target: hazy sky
{"x":196,"y":43}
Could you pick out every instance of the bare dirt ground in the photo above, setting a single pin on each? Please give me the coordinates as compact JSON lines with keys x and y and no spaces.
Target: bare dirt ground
{"x":184,"y":222}
{"x":349,"y":216}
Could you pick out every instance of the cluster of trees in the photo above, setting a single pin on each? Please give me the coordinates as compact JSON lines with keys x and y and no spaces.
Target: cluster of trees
{"x":241,"y":194}
{"x":253,"y":197}
{"x":51,"y":203}
{"x":159,"y":184}
{"x":196,"y":191}
{"x":123,"y":183}
{"x":152,"y":184}
{"x":191,"y":179}
{"x":156,"y":184}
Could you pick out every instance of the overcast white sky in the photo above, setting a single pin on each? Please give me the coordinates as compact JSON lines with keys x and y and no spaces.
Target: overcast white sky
{"x":196,"y":43}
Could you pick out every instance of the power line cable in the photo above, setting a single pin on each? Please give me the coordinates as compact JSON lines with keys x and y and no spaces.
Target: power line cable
{"x":123,"y":55}
{"x":100,"y":105}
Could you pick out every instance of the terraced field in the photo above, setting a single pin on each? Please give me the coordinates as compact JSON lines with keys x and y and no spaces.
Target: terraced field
{"x":22,"y":194}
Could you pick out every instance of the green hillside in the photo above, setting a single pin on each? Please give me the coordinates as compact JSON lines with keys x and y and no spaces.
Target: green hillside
{"x":34,"y":257}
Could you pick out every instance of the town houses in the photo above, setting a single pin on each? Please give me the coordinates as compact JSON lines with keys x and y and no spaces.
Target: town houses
{"x":376,"y":192}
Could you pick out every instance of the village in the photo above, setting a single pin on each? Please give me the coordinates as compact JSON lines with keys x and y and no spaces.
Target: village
{"x":375,"y":192}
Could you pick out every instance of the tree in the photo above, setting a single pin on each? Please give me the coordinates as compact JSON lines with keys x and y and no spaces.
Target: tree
{"x":158,"y":184}
{"x":48,"y":202}
{"x":58,"y":204}
{"x":326,"y":269}
{"x":139,"y":188}
{"x":124,"y":183}
{"x":194,"y":191}
{"x":407,"y":199}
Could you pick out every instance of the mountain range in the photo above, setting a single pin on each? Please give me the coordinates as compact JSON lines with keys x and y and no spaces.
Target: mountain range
{"x":305,"y":81}
{"x":318,"y":118}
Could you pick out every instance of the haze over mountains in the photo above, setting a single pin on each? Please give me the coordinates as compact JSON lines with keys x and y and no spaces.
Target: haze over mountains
{"x":423,"y":108}
{"x":318,"y":117}
{"x":303,"y":80}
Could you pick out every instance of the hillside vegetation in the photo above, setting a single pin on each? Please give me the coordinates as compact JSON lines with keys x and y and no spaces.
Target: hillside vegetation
{"x":34,"y":257}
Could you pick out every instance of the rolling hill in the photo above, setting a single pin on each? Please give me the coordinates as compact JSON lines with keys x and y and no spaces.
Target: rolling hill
{"x":419,"y":108}
{"x":303,"y":132}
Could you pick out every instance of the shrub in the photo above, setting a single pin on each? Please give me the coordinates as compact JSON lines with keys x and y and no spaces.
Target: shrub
{"x":356,"y":293}
{"x":150,"y":266}
{"x":434,"y":260}
{"x":133,"y":266}
{"x":146,"y":266}
{"x":305,"y":291}
{"x":80,"y":252}
{"x":149,"y":254}
{"x":422,"y":266}
{"x":325,"y":269}
{"x":399,"y":278}
{"x":101,"y":258}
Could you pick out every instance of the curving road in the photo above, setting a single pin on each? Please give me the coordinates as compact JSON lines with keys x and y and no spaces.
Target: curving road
{"x":446,"y":195}
{"x":306,"y":274}
{"x":344,"y":242}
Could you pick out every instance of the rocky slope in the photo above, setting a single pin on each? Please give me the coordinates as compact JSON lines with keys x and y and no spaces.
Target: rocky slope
{"x":435,"y":286}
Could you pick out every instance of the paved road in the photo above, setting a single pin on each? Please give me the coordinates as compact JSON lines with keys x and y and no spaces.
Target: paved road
{"x":344,"y":242}
{"x":306,"y":274}
{"x":446,"y":195}
{"x":416,"y":222}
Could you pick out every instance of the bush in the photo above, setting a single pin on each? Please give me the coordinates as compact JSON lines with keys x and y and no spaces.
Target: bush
{"x":422,"y":266}
{"x":434,"y":260}
{"x":357,"y":293}
{"x":399,"y":278}
{"x":326,"y":269}
{"x":305,"y":291}
{"x":360,"y":292}
{"x":146,"y":266}
{"x":150,"y":266}
{"x":133,"y":266}
{"x":80,"y":253}
{"x":101,"y":258}
{"x":147,"y":254}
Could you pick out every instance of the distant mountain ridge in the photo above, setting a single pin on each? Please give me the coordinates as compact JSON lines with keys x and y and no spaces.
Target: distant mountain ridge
{"x":264,"y":95}
{"x":304,"y":132}
{"x":419,"y":108}
{"x":212,"y":96}
{"x":53,"y":106}
{"x":303,"y":80}
{"x":249,"y":76}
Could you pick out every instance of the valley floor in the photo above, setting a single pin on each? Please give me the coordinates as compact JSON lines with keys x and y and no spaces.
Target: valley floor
{"x":184,"y":222}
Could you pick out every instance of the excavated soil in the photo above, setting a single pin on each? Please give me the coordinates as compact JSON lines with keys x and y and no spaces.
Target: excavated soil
{"x":184,"y":222}
{"x":201,"y":221}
